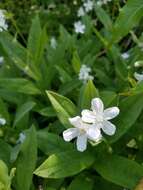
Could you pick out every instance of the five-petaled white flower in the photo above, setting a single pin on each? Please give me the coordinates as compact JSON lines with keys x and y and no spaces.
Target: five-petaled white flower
{"x":80,"y":12}
{"x":82,"y":131}
{"x":100,"y":117}
{"x":88,"y":5}
{"x":84,"y":74}
{"x":3,"y":24}
{"x":79,"y":27}
{"x":138,"y":77}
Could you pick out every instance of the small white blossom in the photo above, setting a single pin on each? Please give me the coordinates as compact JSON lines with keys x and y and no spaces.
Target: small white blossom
{"x":88,"y":5}
{"x":2,"y":121}
{"x":82,"y":131}
{"x":138,"y":64}
{"x":100,"y":117}
{"x":53,"y":43}
{"x":79,"y":27}
{"x":22,"y":138}
{"x":84,"y":74}
{"x":103,"y":2}
{"x":3,"y":24}
{"x":80,"y":12}
{"x":138,"y":77}
{"x":125,"y":55}
{"x":1,"y":60}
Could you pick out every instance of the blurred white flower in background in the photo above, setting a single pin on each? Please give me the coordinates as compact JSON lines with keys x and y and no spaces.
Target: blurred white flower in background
{"x":84,"y":74}
{"x":125,"y":55}
{"x":2,"y":121}
{"x":79,"y":27}
{"x":103,"y":2}
{"x":138,"y":77}
{"x":53,"y":42}
{"x":22,"y":138}
{"x":1,"y":60}
{"x":138,"y":64}
{"x":88,"y":5}
{"x":82,"y":131}
{"x":80,"y":12}
{"x":100,"y":117}
{"x":3,"y":24}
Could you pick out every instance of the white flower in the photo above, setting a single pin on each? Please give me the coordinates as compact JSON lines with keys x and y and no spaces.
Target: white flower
{"x":1,"y":60}
{"x":22,"y":138}
{"x":88,"y":5}
{"x":53,"y":43}
{"x":138,"y":77}
{"x":2,"y":121}
{"x":79,"y":27}
{"x":80,"y":12}
{"x":138,"y":64}
{"x":103,"y":2}
{"x":100,"y":117}
{"x":125,"y":55}
{"x":3,"y":24}
{"x":84,"y":74}
{"x":82,"y":131}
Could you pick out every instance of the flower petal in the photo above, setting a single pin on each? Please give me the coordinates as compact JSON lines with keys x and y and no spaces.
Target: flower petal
{"x":97,"y":105}
{"x":110,"y":113}
{"x":138,"y":76}
{"x":75,"y":121}
{"x":81,"y":142}
{"x":70,"y":134}
{"x":2,"y":121}
{"x":94,"y":133}
{"x":108,"y":128}
{"x":88,"y":116}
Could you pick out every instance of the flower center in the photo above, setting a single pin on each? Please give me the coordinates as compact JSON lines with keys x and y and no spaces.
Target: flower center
{"x":99,"y":118}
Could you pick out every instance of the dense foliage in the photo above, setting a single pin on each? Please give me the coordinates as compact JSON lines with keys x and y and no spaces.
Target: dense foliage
{"x":54,"y":64}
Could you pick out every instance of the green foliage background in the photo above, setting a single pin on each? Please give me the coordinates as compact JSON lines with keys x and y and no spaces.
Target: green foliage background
{"x":40,"y":90}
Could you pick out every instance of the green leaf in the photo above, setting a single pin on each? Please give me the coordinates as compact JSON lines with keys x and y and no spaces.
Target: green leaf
{"x":37,"y":44}
{"x":4,"y":111}
{"x":18,"y":54}
{"x":63,"y":107}
{"x":130,"y":109}
{"x":108,"y":97}
{"x":87,"y":93}
{"x":81,"y":182}
{"x":119,"y":170}
{"x":23,"y":110}
{"x":103,"y":17}
{"x":4,"y":177}
{"x":50,"y":143}
{"x":20,"y":85}
{"x":26,"y":160}
{"x":138,"y":88}
{"x":120,"y":66}
{"x":76,"y":63}
{"x":64,"y":76}
{"x":46,"y":111}
{"x":69,"y":86}
{"x":34,"y":35}
{"x":129,"y":17}
{"x":5,"y":151}
{"x":64,"y":164}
